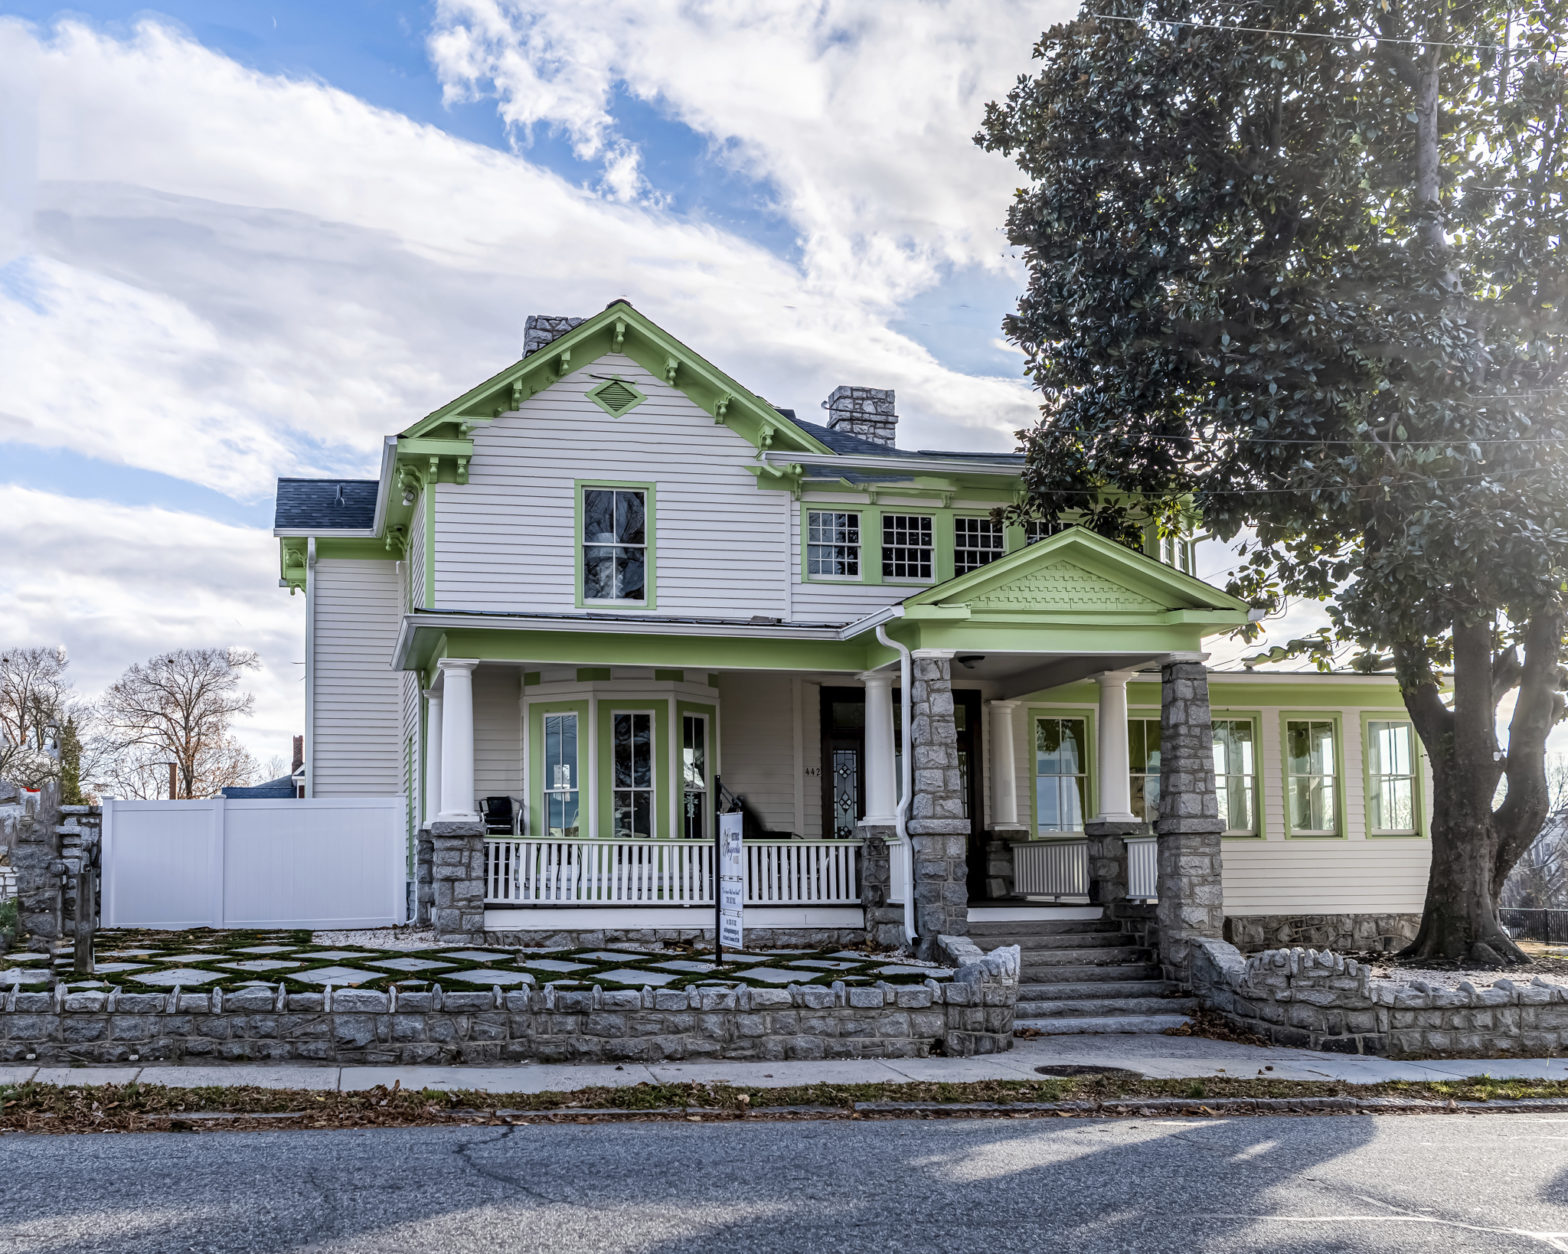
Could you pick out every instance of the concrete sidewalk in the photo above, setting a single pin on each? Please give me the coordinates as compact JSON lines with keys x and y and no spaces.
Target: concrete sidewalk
{"x":1158,"y":1057}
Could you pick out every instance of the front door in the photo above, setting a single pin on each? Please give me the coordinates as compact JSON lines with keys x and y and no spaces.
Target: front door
{"x":843,"y":760}
{"x":966,"y":722}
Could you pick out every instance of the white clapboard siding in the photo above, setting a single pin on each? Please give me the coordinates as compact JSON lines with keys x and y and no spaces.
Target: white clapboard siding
{"x":498,"y":732}
{"x":759,"y":744}
{"x":414,"y":560}
{"x":505,"y":539}
{"x":358,"y":719}
{"x":412,"y":776}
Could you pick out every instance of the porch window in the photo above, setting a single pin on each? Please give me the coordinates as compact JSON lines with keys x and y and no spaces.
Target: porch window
{"x":1037,"y":529}
{"x":615,"y":544}
{"x":694,"y":776}
{"x":1235,"y":775}
{"x":632,"y":793}
{"x":833,"y":544}
{"x":907,"y":546}
{"x":976,"y":541}
{"x":1143,"y":757}
{"x":561,"y":782}
{"x":1311,"y":777}
{"x":1061,"y":774}
{"x":1391,"y":779}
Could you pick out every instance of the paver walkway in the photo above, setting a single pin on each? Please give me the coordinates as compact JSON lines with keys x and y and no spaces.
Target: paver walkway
{"x":1158,"y":1057}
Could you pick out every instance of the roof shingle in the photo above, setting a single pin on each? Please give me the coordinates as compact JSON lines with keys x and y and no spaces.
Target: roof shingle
{"x":326,"y":504}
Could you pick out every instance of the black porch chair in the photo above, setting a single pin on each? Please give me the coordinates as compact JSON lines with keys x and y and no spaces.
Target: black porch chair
{"x":499,"y":817}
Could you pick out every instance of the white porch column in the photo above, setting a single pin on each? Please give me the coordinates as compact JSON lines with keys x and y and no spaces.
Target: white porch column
{"x":457,"y":740}
{"x":881,"y":786}
{"x":1004,"y":766}
{"x":432,"y":755}
{"x":1115,"y":784}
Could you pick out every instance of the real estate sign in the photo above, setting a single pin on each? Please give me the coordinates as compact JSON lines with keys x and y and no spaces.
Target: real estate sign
{"x":732,"y":881}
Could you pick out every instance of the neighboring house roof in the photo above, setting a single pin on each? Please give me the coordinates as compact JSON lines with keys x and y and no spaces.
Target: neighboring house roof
{"x":846,"y":445}
{"x":283,"y":786}
{"x":326,"y":504}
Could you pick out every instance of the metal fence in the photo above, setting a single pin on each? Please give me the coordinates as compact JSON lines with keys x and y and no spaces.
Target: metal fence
{"x":1542,"y":925}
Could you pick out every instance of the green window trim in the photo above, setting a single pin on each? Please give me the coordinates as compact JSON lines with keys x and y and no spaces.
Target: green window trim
{"x":871,"y":516}
{"x":1255,"y":718}
{"x":536,"y":789}
{"x":941,"y":527}
{"x":650,"y":549}
{"x":1418,"y":766}
{"x":661,"y":809}
{"x":1286,"y":718}
{"x":951,"y":524}
{"x":1091,"y":787}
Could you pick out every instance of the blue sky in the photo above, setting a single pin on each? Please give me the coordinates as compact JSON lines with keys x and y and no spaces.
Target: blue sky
{"x":242,"y":240}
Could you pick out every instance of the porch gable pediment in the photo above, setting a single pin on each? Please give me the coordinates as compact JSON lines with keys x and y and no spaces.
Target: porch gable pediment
{"x":1076,"y":574}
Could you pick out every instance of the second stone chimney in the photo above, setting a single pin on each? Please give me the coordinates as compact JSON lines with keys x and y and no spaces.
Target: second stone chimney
{"x":540,"y":329}
{"x":864,"y":412}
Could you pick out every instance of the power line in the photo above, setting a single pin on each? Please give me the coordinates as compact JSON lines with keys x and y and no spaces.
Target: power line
{"x":1307,"y":34}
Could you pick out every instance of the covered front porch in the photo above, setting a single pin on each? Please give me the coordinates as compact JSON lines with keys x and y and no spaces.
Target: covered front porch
{"x":601,"y":752}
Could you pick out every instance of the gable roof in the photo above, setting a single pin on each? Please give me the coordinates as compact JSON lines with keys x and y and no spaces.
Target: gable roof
{"x":326,"y":505}
{"x":1079,"y":574}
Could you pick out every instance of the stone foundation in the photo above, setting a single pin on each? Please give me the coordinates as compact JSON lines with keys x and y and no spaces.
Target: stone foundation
{"x":1346,"y":933}
{"x":971,"y":1014}
{"x":458,"y":879}
{"x":609,"y":937}
{"x":884,"y":919}
{"x":1303,"y":997}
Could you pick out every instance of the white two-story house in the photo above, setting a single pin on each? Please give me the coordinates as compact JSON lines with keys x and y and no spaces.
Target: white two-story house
{"x":611,"y":589}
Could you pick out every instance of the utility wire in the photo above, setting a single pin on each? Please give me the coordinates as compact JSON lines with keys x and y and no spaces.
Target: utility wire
{"x":1307,"y":34}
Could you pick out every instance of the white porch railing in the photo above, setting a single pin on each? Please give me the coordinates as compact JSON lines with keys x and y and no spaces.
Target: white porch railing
{"x":1051,"y":868}
{"x":538,"y":872}
{"x":1143,"y":868}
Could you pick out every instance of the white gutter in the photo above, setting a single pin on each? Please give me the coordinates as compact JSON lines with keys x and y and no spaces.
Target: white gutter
{"x":310,"y":667}
{"x":906,"y":775}
{"x":921,"y":464}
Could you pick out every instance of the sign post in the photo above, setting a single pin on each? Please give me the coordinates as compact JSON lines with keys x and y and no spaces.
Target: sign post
{"x":732,"y":884}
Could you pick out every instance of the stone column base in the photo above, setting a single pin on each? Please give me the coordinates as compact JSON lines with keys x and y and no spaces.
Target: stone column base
{"x":1108,"y":858}
{"x":1000,"y":880}
{"x":940,"y":850}
{"x":884,"y":920}
{"x":424,"y":876}
{"x":458,"y":878}
{"x":1191,"y":906}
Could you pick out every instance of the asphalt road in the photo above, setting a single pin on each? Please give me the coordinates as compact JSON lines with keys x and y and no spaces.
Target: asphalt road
{"x":976,"y":1187}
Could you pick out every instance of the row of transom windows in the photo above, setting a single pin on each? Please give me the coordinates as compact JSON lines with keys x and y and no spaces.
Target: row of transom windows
{"x":908,"y":549}
{"x":1313,"y":776}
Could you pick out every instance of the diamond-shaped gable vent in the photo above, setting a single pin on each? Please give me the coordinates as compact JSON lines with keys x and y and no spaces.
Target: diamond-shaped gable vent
{"x":615,"y":397}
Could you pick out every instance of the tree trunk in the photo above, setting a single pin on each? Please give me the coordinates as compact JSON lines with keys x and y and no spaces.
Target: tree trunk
{"x":1459,"y":921}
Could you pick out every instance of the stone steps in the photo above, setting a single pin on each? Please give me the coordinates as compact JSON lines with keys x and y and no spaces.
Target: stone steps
{"x":1112,"y":986}
{"x":1105,"y":1007}
{"x":1009,"y":933}
{"x":1070,"y":940}
{"x":1145,"y":1025}
{"x":1127,"y":954}
{"x":1072,"y":973}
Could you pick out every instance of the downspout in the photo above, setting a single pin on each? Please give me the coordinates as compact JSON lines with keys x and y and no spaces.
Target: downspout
{"x":310,"y":666}
{"x":906,"y":777}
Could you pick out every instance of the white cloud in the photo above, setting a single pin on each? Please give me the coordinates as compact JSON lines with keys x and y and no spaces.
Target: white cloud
{"x":117,"y":584}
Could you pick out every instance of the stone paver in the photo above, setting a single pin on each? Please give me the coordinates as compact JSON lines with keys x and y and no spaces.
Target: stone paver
{"x":263,"y":949}
{"x":770,"y":975}
{"x":111,"y":967}
{"x":21,"y":975}
{"x":490,"y":978}
{"x":259,"y":964}
{"x":637,"y":979}
{"x":936,"y":973}
{"x":476,"y":955}
{"x":685,"y":965}
{"x":335,"y":975}
{"x":552,"y":964}
{"x":612,"y":955}
{"x":825,"y":964}
{"x":409,"y":964}
{"x":335,"y":955}
{"x":188,"y":976}
{"x":197,"y":956}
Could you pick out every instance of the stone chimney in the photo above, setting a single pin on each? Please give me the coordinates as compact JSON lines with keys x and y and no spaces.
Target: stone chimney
{"x":864,"y":412}
{"x":299,"y":754}
{"x":540,"y":329}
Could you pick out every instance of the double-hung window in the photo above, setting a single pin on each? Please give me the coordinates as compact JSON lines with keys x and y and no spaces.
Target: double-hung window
{"x":1061,"y":774}
{"x":631,"y":751}
{"x":1143,"y":758}
{"x":615,"y":544}
{"x":1311,"y":777}
{"x":976,"y":542}
{"x":908,"y":547}
{"x":694,"y":777}
{"x":561,"y":783}
{"x":1391,"y":779}
{"x":833,"y":544}
{"x":1235,"y":775}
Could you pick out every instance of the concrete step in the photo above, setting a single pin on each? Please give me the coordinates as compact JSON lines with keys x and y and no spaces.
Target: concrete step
{"x":1069,"y":940}
{"x":1099,"y":956}
{"x":1141,"y":1024}
{"x":1006,"y":932}
{"x":1111,"y":984}
{"x":1069,"y":973}
{"x":1105,"y":1007}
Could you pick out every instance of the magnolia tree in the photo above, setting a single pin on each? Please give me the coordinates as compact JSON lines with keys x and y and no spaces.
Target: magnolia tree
{"x":1299,"y":267}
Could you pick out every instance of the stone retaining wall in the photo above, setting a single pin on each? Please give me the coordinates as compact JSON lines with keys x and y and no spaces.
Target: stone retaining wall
{"x":1354,"y":933}
{"x":972,"y":1014}
{"x":1323,"y":1000}
{"x":609,"y":937}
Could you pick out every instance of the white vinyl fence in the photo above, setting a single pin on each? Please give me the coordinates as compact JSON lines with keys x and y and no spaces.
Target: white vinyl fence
{"x":338,"y":862}
{"x":536,"y":872}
